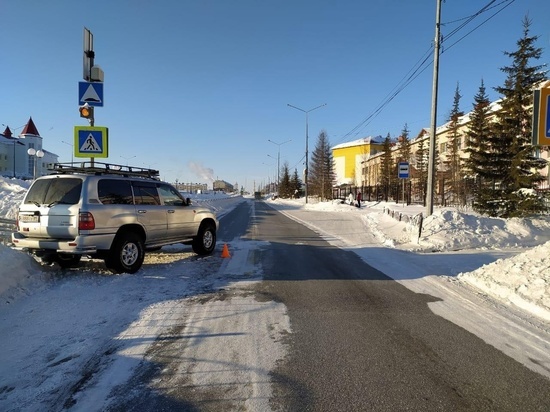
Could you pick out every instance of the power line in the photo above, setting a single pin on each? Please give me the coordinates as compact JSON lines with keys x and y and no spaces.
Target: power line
{"x":483,"y":22}
{"x":426,"y":62}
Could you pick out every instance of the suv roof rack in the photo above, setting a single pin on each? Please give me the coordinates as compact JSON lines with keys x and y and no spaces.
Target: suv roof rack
{"x":98,"y":168}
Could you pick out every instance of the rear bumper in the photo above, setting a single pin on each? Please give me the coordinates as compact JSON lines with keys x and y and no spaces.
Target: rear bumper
{"x":81,"y":245}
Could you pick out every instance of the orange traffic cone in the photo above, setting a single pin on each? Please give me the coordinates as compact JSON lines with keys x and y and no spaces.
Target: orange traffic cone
{"x":225,"y":251}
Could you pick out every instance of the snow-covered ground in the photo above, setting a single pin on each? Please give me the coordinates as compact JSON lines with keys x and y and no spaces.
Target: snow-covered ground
{"x":492,"y":277}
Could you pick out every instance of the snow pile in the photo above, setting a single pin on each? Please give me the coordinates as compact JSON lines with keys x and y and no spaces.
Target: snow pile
{"x":16,"y":274}
{"x":523,"y":280}
{"x":12,"y":192}
{"x":449,"y":229}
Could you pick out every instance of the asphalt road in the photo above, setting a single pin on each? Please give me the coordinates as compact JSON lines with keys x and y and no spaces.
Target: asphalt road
{"x":362,"y":342}
{"x":359,"y":341}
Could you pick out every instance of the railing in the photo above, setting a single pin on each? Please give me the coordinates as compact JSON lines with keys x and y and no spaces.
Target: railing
{"x":414,"y":222}
{"x":7,"y":226}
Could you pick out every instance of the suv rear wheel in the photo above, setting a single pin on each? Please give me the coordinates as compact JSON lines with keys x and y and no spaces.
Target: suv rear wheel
{"x":205,"y":241}
{"x":126,"y":254}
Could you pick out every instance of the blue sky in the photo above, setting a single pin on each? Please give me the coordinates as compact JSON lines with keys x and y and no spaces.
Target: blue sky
{"x":197,"y":88}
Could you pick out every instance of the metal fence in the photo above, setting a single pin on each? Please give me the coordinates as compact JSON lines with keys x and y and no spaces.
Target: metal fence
{"x":413,"y":222}
{"x":415,"y":193}
{"x":397,"y":192}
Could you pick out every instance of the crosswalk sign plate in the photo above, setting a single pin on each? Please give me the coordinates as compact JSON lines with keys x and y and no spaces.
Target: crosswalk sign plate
{"x":91,"y":141}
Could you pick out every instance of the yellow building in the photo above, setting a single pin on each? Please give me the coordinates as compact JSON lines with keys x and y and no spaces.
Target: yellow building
{"x":350,"y":159}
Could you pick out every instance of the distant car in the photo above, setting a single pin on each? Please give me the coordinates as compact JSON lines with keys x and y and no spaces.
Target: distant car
{"x":109,"y":212}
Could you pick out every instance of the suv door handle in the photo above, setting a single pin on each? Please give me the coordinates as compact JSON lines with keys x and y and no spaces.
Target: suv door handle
{"x":171,"y":211}
{"x":142,"y":211}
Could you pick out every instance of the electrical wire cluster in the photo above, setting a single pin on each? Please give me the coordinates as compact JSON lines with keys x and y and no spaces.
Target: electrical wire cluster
{"x":424,"y":62}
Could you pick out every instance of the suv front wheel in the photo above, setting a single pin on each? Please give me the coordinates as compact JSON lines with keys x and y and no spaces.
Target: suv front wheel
{"x":205,"y":241}
{"x":126,"y":254}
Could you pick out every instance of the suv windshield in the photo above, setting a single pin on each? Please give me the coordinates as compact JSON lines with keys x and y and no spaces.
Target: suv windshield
{"x":55,"y":191}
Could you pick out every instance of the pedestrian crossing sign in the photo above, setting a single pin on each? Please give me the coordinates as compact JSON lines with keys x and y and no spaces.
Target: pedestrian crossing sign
{"x":91,"y":141}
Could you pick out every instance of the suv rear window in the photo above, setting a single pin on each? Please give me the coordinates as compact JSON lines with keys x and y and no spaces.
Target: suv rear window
{"x":115,"y":192}
{"x":55,"y":191}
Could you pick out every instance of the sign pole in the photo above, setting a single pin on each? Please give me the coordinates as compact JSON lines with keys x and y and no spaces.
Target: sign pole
{"x":91,"y":140}
{"x":403,"y":192}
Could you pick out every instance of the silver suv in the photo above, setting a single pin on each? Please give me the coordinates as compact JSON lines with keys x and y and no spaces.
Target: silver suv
{"x":109,"y":212}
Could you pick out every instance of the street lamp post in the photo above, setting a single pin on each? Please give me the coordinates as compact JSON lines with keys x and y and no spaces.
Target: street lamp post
{"x":307,"y":139}
{"x":268,"y":175}
{"x":127,"y":158}
{"x":36,"y":154}
{"x":14,"y":143}
{"x":276,"y":185}
{"x":278,"y":159}
{"x":72,"y":150}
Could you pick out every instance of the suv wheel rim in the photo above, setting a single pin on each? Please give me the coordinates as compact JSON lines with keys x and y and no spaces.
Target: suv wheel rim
{"x":208,"y":239}
{"x":129,"y":254}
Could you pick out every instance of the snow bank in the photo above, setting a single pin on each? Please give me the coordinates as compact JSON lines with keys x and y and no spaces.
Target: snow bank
{"x":12,"y":192}
{"x":449,"y":229}
{"x":523,"y":280}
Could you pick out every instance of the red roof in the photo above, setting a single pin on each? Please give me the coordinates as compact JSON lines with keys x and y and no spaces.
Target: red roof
{"x":30,"y":128}
{"x":7,"y":132}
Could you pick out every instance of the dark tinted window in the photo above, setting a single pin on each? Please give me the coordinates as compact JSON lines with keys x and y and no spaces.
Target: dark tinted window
{"x":114,"y":192}
{"x":146,"y":193}
{"x":55,"y":191}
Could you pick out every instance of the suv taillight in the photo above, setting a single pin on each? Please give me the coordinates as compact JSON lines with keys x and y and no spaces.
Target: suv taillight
{"x":86,"y":221}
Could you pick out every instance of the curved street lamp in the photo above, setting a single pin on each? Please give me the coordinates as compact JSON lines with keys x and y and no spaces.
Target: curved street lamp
{"x":72,"y":150}
{"x":278,"y":159}
{"x":127,"y":158}
{"x":307,"y":138}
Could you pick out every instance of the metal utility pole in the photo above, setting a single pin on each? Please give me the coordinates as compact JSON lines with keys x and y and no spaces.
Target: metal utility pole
{"x":431,"y":159}
{"x":278,"y":160}
{"x":307,"y":139}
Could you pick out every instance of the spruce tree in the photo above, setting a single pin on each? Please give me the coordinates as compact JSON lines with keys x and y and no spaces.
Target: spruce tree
{"x":421,"y":160}
{"x":322,"y":176}
{"x":479,"y":163}
{"x":296,"y":184}
{"x":387,"y":169}
{"x":404,"y":152}
{"x":516,"y":169}
{"x":285,"y":188}
{"x":454,"y":162}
